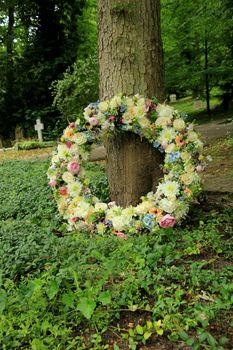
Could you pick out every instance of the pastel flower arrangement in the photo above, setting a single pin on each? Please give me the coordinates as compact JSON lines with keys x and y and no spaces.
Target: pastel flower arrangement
{"x":165,"y":129}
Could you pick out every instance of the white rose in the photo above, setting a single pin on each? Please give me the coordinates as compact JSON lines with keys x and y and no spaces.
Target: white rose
{"x":79,"y":138}
{"x":115,"y":102}
{"x":163,"y":121}
{"x":164,"y":110}
{"x":192,"y":136}
{"x":144,"y":122}
{"x":100,"y":206}
{"x":170,"y":148}
{"x":179,"y":124}
{"x":103,"y":106}
{"x":67,"y":177}
{"x":167,"y":205}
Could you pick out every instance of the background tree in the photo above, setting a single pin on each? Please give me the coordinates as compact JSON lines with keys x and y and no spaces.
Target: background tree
{"x":130,"y":61}
{"x":197,"y":40}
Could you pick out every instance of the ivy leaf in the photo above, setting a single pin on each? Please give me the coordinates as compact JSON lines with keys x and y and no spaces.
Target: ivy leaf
{"x":105,"y":298}
{"x":3,"y":300}
{"x":86,"y":307}
{"x":68,"y":299}
{"x":139,"y":329}
{"x":37,"y":344}
{"x":147,"y":335}
{"x":52,"y":289}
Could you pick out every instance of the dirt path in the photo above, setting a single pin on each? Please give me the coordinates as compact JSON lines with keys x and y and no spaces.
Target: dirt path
{"x":212,"y":131}
{"x":218,"y":176}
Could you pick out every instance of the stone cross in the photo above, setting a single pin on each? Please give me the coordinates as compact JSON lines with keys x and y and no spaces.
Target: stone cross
{"x":39,"y":127}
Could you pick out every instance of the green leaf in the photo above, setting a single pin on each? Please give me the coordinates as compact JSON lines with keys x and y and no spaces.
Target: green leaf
{"x":190,"y":341}
{"x":105,"y":298}
{"x":131,"y":332}
{"x":116,"y":347}
{"x":132,"y":344}
{"x":211,"y":339}
{"x":147,"y":335}
{"x":202,"y":337}
{"x":68,"y":299}
{"x":37,"y":344}
{"x":87,"y":307}
{"x":139,"y":329}
{"x":223,"y":340}
{"x":3,"y":300}
{"x":149,"y":325}
{"x":159,"y":331}
{"x":52,"y":289}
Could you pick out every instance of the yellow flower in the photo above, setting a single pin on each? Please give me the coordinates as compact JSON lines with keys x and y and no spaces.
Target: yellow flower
{"x":68,"y":133}
{"x":74,"y":188}
{"x":167,"y":135}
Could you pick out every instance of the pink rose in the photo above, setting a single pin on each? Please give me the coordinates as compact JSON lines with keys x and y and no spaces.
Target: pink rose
{"x":111,"y":118}
{"x":164,"y":144}
{"x":63,"y":191}
{"x":93,"y":121}
{"x":52,"y":183}
{"x":167,"y":221}
{"x":69,"y":144}
{"x":73,"y":167}
{"x":112,"y":204}
{"x":72,"y":125}
{"x":199,"y":168}
{"x":121,"y":235}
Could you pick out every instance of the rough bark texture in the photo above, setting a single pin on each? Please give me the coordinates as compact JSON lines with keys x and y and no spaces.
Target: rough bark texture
{"x":130,"y":61}
{"x":133,"y":170}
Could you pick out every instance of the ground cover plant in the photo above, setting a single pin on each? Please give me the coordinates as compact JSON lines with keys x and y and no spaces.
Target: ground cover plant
{"x":75,"y":291}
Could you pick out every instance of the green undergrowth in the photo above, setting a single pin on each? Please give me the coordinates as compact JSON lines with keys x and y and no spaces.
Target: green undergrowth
{"x":32,"y":144}
{"x":62,"y":290}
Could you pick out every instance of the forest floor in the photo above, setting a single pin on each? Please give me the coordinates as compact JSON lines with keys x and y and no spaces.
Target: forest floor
{"x":218,"y":139}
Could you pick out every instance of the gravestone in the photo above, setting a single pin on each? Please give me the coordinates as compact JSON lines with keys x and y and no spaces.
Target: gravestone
{"x":198,"y":104}
{"x":1,"y":142}
{"x":39,"y":127}
{"x":172,"y":98}
{"x":18,"y":133}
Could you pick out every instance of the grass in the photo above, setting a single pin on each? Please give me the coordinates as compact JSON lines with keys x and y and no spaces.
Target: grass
{"x":62,"y":290}
{"x":186,"y":105}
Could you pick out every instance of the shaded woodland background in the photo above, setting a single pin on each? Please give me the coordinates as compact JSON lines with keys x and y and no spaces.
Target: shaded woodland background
{"x":48,"y":64}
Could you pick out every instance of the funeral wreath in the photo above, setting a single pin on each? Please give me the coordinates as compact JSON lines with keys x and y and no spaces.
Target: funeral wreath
{"x":165,"y":129}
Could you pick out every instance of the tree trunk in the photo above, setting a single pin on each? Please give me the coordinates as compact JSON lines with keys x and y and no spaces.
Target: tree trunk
{"x":207,"y":88}
{"x":10,"y":65}
{"x":130,"y":61}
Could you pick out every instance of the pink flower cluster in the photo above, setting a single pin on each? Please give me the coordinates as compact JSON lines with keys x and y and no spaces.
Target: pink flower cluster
{"x":73,"y":167}
{"x":167,"y":221}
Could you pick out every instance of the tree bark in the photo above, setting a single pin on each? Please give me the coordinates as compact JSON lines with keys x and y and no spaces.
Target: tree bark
{"x":10,"y":64}
{"x":130,"y":62}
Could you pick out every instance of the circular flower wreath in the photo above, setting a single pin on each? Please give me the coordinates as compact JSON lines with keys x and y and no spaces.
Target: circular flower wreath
{"x":165,"y":129}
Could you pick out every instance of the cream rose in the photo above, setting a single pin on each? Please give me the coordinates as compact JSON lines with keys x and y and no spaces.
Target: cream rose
{"x":179,"y":124}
